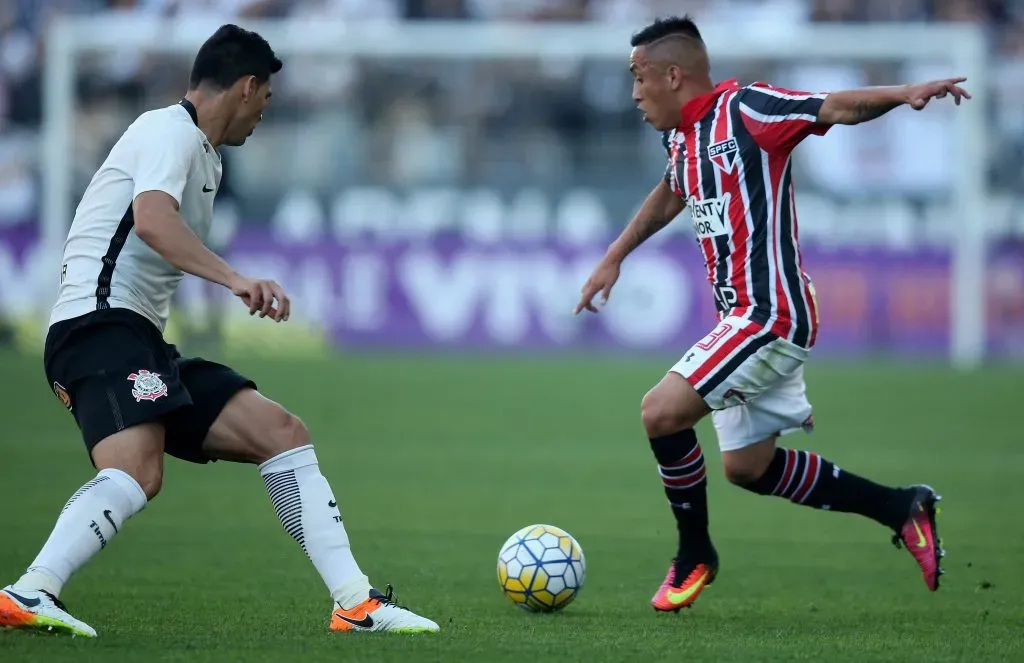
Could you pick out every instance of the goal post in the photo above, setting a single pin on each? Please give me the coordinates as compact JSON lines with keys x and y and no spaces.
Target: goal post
{"x":963,"y":47}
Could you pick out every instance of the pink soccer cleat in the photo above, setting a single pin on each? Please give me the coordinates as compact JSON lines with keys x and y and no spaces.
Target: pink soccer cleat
{"x":920,"y":535}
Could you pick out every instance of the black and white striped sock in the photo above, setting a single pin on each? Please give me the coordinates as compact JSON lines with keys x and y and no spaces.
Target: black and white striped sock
{"x":309,"y":513}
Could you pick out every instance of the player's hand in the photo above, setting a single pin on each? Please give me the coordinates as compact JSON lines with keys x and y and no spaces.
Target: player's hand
{"x":919,"y":95}
{"x":260,"y":295}
{"x":601,"y":281}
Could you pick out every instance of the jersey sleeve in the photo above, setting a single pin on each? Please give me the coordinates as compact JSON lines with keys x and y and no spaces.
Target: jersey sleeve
{"x":779,"y":119}
{"x":163,"y":159}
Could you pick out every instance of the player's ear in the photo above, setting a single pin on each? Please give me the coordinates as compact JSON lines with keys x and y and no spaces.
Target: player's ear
{"x":249,"y":87}
{"x":674,"y":74}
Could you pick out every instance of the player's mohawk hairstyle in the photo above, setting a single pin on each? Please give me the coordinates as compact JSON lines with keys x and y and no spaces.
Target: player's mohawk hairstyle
{"x":664,"y":27}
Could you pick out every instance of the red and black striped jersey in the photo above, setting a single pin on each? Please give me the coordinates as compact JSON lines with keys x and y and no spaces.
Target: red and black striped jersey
{"x":730,"y":162}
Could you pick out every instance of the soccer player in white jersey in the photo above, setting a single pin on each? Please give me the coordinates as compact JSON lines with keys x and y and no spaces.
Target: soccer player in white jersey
{"x":139,"y":226}
{"x":729,"y":160}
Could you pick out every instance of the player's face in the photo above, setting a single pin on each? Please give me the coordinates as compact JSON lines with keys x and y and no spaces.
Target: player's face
{"x":253,"y":99}
{"x":653,"y":91}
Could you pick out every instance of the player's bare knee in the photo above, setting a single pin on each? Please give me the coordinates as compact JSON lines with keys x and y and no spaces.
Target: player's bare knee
{"x":746,"y":466}
{"x":295,"y":433}
{"x":661,"y":416}
{"x":151,"y":481}
{"x":148,"y":474}
{"x":671,"y":406}
{"x":741,"y":475}
{"x":286,"y":433}
{"x":138,"y":452}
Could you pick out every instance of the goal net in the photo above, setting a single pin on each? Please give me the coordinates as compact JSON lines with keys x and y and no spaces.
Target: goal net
{"x":451,"y":184}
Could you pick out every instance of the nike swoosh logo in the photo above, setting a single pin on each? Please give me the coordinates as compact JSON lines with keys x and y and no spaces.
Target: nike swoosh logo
{"x":28,"y":603}
{"x":332,"y":504}
{"x":675,"y":598}
{"x":921,"y":540}
{"x":365,"y":622}
{"x":106,"y":514}
{"x":205,"y":190}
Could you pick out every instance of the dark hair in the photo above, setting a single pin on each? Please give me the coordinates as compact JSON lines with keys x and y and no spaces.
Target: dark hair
{"x":664,"y":27}
{"x":231,"y":53}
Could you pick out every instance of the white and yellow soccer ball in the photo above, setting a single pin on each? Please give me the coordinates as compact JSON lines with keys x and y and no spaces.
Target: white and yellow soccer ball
{"x":541,"y":568}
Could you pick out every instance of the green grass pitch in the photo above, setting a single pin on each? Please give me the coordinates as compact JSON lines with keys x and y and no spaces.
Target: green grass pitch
{"x":436,"y":460}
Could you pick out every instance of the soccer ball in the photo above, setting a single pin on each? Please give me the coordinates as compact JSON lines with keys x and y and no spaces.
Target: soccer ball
{"x":541,"y":568}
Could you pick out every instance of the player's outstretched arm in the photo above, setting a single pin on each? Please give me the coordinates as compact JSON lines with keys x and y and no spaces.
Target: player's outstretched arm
{"x":658,"y":210}
{"x":158,"y":224}
{"x":865,"y":104}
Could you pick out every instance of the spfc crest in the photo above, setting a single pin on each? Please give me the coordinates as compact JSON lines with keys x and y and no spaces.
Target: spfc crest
{"x":724,"y":154}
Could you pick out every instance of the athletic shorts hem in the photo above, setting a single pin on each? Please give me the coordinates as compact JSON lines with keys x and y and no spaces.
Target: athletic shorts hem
{"x":94,"y":433}
{"x":201,"y":421}
{"x":744,"y":442}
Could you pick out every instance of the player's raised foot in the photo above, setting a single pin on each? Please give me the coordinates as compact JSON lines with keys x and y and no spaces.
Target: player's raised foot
{"x":380,"y":612}
{"x":39,"y":611}
{"x":687,"y":577}
{"x":920,"y":535}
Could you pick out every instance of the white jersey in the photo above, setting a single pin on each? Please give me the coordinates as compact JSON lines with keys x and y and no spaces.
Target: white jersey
{"x":105,"y":264}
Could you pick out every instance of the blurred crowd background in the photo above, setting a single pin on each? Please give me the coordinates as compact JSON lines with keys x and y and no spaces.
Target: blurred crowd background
{"x":393,"y":144}
{"x":499,"y":124}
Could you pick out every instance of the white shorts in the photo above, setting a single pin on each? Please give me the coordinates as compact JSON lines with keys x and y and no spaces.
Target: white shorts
{"x":751,"y":379}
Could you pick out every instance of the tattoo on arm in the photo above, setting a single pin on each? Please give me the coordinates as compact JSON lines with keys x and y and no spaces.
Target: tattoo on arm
{"x":658,"y":210}
{"x":646,"y":227}
{"x":865,"y":110}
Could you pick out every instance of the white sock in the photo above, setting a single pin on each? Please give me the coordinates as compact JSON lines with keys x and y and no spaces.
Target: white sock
{"x":306,"y":506}
{"x":90,"y":519}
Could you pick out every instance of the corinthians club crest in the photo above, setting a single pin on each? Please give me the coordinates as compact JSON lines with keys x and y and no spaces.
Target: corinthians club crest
{"x":148,"y":386}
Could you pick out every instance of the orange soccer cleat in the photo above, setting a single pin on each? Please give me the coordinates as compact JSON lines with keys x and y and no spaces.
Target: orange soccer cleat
{"x":687,"y":577}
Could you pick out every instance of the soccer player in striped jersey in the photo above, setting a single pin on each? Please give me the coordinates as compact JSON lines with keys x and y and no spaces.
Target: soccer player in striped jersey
{"x":729,"y":160}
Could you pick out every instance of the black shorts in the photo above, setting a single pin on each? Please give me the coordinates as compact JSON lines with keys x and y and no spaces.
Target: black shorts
{"x":112,"y":370}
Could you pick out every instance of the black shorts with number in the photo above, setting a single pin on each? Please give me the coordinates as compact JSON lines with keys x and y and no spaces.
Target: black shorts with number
{"x":112,"y":369}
